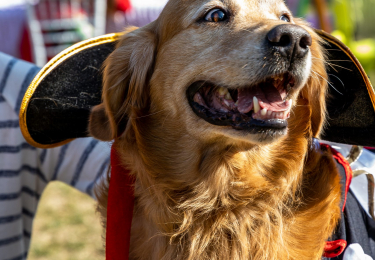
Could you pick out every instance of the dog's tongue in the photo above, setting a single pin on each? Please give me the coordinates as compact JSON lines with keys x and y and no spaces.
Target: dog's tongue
{"x":267,"y":93}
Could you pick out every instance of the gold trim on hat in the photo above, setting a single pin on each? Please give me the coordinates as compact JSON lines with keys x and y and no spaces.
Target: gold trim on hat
{"x":50,"y":66}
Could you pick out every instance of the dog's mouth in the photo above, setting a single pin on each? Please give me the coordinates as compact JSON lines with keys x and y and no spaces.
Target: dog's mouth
{"x":262,"y":105}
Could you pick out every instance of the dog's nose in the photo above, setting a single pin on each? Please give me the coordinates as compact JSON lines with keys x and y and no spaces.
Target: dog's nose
{"x":292,"y":41}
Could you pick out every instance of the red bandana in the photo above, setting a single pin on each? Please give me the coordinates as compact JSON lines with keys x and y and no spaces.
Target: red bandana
{"x":121,"y":203}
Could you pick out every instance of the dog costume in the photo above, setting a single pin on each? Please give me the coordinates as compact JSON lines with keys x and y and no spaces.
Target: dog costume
{"x":57,"y":105}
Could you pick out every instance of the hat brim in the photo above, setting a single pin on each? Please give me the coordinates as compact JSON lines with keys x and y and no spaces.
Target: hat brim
{"x":57,"y":104}
{"x":351,"y":97}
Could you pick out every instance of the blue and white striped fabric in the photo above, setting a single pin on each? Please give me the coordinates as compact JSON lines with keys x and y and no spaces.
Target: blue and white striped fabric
{"x":25,"y":170}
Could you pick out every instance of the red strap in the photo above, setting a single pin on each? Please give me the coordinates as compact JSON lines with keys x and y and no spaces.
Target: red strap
{"x":119,"y":210}
{"x":334,"y":248}
{"x":348,"y":170}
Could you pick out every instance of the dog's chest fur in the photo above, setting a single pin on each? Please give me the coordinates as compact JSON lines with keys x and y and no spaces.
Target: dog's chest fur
{"x":233,"y":205}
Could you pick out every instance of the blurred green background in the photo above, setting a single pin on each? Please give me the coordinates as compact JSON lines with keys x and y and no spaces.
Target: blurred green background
{"x":354,"y":24}
{"x":352,"y":21}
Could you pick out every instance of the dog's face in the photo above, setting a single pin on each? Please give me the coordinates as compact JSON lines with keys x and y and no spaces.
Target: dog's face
{"x":230,"y":68}
{"x":233,"y":67}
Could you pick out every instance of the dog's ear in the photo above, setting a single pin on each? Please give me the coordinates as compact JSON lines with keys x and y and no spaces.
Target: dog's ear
{"x":127,"y":72}
{"x":99,"y":125}
{"x":315,"y":93}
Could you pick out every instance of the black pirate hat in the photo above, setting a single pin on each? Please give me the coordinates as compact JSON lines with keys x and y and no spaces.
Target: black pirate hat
{"x":57,"y":104}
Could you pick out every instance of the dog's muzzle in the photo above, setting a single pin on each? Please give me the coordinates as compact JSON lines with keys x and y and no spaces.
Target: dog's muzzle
{"x":265,"y":105}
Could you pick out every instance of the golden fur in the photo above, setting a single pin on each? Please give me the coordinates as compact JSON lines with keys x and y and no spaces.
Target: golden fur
{"x":203,"y":191}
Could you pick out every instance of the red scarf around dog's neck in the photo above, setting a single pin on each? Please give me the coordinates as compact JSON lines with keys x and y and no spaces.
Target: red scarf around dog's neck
{"x":121,"y":203}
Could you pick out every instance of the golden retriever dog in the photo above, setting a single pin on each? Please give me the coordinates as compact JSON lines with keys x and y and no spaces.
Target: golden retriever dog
{"x":213,"y":107}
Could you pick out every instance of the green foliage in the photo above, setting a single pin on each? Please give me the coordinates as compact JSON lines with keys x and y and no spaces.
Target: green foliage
{"x":355,"y":26}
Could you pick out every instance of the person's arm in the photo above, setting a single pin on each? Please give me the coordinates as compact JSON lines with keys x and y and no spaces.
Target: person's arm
{"x":21,"y":181}
{"x":80,"y":163}
{"x":25,"y":170}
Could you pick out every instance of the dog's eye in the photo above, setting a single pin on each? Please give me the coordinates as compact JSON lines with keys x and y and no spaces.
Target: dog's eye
{"x":285,"y":18}
{"x":216,"y":15}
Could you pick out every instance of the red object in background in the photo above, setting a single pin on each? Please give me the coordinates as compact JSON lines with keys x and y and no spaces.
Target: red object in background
{"x":123,"y":5}
{"x":52,"y":10}
{"x":25,"y":45}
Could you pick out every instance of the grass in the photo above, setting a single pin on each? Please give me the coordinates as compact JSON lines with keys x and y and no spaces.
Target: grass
{"x":66,"y":226}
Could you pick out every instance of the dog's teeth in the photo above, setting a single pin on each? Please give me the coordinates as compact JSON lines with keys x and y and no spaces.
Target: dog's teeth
{"x":223,"y":91}
{"x":226,"y":102}
{"x":256,"y":104}
{"x":285,"y":114}
{"x":263,"y":112}
{"x":288,"y":103}
{"x":236,"y":104}
{"x":228,"y":96}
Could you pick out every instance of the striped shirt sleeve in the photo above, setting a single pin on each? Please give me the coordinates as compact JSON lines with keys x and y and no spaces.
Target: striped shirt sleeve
{"x":25,"y":170}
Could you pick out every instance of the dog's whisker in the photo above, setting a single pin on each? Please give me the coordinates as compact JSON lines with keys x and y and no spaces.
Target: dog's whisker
{"x":314,"y":76}
{"x":331,"y":64}
{"x":246,"y":30}
{"x":324,"y":61}
{"x":338,"y":79}
{"x":341,"y":60}
{"x":329,"y":83}
{"x":217,"y":68}
{"x":148,"y":114}
{"x":162,"y":125}
{"x":326,"y":81}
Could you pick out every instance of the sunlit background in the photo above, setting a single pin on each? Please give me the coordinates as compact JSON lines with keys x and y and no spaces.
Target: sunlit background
{"x":66,"y":225}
